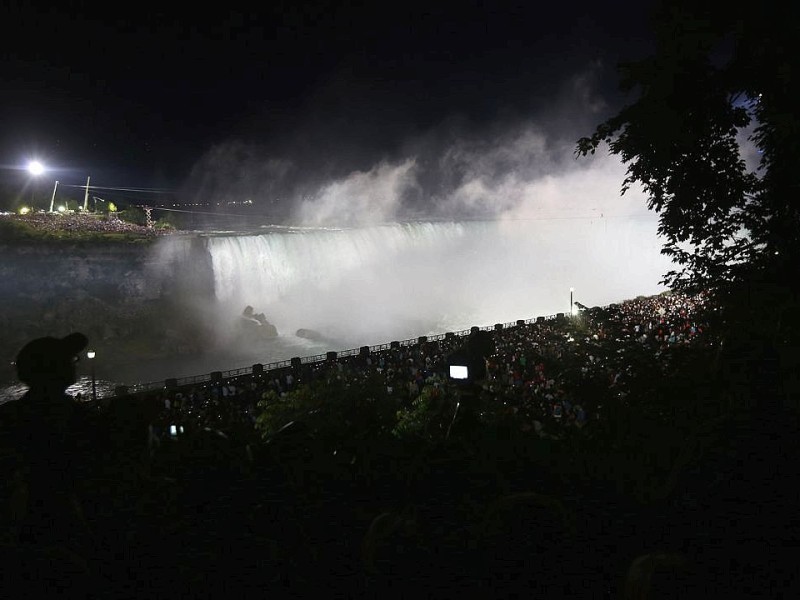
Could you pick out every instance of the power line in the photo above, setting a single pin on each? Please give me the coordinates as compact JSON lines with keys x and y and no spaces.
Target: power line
{"x":194,"y":212}
{"x":123,"y":189}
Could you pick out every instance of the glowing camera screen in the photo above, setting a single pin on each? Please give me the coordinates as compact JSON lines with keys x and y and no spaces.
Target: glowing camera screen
{"x":459,"y":372}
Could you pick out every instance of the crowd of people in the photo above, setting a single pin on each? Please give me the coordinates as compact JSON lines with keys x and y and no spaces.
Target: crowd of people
{"x":58,"y":223}
{"x":301,"y":479}
{"x":538,"y":370}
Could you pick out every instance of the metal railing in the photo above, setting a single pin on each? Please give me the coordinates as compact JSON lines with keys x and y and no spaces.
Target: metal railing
{"x":316,"y":358}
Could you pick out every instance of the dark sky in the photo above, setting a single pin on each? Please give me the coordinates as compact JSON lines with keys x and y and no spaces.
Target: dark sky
{"x":138,"y":95}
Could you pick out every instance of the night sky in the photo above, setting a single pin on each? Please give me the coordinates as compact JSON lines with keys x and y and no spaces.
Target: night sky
{"x":273,"y":102}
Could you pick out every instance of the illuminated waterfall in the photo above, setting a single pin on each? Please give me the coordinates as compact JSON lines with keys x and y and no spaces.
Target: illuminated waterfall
{"x":373,"y":284}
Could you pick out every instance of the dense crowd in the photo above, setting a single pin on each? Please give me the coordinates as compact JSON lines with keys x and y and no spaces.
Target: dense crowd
{"x":535,"y":369}
{"x":301,"y":480}
{"x":78,"y":222}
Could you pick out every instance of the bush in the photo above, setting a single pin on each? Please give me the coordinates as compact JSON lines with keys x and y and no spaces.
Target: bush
{"x":331,"y":410}
{"x":133,"y":215}
{"x":427,"y":418}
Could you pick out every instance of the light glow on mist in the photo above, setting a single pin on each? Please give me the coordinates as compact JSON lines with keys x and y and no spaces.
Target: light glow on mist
{"x":373,"y":284}
{"x":457,"y":226}
{"x":519,"y":174}
{"x":374,"y":196}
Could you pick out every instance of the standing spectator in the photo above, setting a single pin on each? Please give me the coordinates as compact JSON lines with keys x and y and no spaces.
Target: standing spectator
{"x":47,"y":438}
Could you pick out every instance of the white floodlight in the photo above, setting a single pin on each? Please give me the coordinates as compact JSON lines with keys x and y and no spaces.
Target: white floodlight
{"x":35,"y":167}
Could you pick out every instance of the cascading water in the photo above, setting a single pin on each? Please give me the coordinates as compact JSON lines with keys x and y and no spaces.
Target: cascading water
{"x":374,"y":284}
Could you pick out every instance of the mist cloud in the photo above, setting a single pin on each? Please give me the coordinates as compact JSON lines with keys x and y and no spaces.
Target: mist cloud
{"x":519,"y":174}
{"x":514,"y":165}
{"x":361,"y":198}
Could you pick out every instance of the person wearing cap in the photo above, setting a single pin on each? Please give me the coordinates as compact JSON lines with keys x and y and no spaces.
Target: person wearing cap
{"x":47,"y":365}
{"x":43,"y":438}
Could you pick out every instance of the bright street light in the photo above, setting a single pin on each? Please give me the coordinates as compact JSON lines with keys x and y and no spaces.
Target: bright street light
{"x":35,"y":168}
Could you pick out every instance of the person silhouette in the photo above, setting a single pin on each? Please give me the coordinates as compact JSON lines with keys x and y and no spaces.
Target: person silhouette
{"x":45,"y":435}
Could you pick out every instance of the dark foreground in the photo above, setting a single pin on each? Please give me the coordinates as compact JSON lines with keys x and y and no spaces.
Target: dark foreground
{"x":680,"y":484}
{"x":449,"y":521}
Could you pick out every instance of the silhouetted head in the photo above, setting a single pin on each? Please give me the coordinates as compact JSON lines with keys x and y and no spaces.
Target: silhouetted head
{"x":50,"y":361}
{"x":480,"y":342}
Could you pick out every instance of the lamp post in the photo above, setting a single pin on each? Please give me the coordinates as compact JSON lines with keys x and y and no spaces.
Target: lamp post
{"x":53,"y":197}
{"x":90,"y":355}
{"x":86,"y":196}
{"x":571,"y":305}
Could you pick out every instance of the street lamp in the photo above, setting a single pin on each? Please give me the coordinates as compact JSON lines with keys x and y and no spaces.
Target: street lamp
{"x":90,"y":355}
{"x":571,"y":305}
{"x":53,"y":197}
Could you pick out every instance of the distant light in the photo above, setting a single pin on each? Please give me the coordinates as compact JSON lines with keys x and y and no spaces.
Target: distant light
{"x":572,"y":289}
{"x":91,"y":354}
{"x":35,"y":167}
{"x":62,"y":208}
{"x":24,"y":210}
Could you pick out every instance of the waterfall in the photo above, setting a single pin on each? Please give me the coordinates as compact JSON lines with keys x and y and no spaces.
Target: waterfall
{"x":373,"y":284}
{"x":356,"y":287}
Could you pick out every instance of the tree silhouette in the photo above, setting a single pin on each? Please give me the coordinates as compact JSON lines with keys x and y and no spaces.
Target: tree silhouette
{"x":720,"y":84}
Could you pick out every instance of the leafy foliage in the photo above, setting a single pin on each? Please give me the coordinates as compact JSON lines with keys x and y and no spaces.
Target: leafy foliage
{"x":329,"y":409}
{"x":715,"y":80}
{"x":133,"y":214}
{"x":428,"y":416}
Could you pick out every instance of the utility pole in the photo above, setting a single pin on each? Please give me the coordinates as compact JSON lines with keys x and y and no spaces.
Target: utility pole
{"x":53,"y":199}
{"x":86,"y":196}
